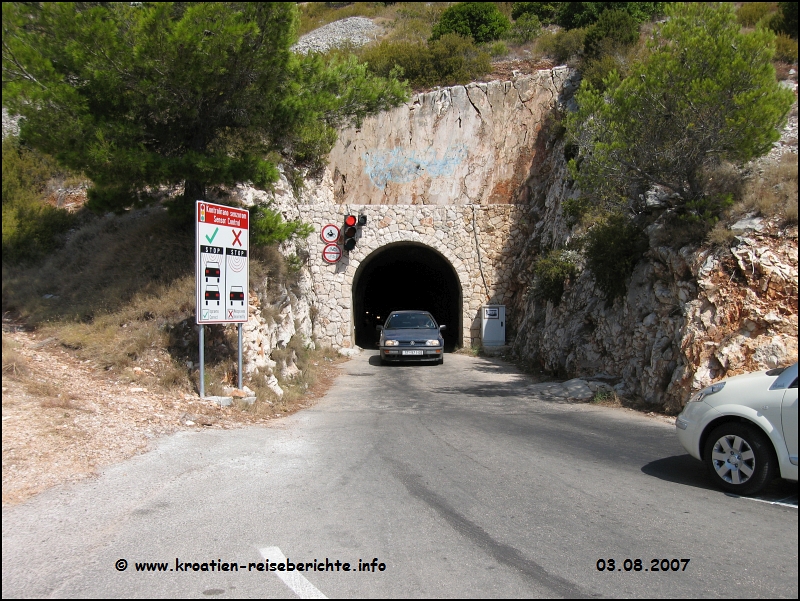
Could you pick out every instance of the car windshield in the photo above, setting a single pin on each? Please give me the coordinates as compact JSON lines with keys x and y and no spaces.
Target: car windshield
{"x":410,"y":321}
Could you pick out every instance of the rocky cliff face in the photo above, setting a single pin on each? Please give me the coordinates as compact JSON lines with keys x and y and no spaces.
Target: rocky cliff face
{"x":690,"y":316}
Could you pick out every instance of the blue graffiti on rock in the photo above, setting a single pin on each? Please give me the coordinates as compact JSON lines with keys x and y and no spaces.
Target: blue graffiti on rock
{"x":402,"y":166}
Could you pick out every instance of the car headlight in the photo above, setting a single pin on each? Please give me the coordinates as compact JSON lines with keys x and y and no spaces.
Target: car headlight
{"x":391,"y":343}
{"x":714,"y":388}
{"x":431,"y":343}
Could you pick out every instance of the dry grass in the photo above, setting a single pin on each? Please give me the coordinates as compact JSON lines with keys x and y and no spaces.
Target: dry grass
{"x":773,"y":193}
{"x":721,"y":236}
{"x":101,"y":268}
{"x":15,"y":365}
{"x":607,"y":398}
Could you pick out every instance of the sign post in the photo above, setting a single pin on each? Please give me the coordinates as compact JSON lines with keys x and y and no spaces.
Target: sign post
{"x":221,"y":269}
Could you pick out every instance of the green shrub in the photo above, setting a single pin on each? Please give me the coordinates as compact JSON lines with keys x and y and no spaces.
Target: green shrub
{"x":750,"y":13}
{"x":450,"y":60}
{"x":575,"y":208}
{"x":705,"y":211}
{"x":551,"y":272}
{"x":412,"y":57}
{"x":498,"y":49}
{"x":563,"y":46}
{"x":582,"y":14}
{"x":614,"y":28}
{"x":788,"y":11}
{"x":595,"y":71}
{"x":545,"y":12}
{"x":612,"y":250}
{"x":525,"y":29}
{"x":457,"y":60}
{"x":785,"y":48}
{"x":31,"y":228}
{"x":773,"y":22}
{"x":268,"y":227}
{"x":31,"y":231}
{"x":25,"y":172}
{"x":481,"y":21}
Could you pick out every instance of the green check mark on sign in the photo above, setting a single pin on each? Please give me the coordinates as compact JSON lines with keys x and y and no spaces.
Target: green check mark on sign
{"x":214,"y":235}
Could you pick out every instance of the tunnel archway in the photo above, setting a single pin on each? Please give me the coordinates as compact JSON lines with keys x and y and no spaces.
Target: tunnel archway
{"x":406,"y":275}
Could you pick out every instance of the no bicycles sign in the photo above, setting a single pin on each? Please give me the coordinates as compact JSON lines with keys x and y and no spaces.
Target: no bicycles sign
{"x":222,"y":266}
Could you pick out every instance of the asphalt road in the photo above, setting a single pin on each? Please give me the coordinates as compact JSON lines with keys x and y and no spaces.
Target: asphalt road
{"x":455,"y":479}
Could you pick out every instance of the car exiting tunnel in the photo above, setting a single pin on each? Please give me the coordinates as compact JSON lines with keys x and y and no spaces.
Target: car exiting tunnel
{"x":402,"y":276}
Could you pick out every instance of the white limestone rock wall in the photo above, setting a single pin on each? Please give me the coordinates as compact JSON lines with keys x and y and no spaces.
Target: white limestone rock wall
{"x":460,"y":145}
{"x":689,"y":318}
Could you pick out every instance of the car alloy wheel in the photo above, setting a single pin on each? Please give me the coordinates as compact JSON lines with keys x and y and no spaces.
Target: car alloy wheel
{"x":739,"y":458}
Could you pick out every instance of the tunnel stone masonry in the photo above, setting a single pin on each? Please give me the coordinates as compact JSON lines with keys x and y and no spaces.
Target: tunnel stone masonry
{"x":478,"y":242}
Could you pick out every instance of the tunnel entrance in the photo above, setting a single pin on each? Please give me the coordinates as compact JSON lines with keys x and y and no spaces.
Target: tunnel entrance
{"x":402,"y":276}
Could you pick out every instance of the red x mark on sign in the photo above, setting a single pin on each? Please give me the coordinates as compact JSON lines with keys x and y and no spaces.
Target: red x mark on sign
{"x":230,"y":314}
{"x":236,"y":237}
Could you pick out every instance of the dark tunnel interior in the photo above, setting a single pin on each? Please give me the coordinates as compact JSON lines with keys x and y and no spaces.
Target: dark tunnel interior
{"x":406,"y":276}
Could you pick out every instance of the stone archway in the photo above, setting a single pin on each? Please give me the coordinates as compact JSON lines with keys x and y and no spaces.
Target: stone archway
{"x":406,"y":275}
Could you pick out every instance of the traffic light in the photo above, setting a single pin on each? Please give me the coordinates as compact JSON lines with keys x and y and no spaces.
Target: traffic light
{"x":350,"y":230}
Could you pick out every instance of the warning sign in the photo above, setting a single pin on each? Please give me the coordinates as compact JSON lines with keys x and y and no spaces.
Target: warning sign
{"x":222,"y":265}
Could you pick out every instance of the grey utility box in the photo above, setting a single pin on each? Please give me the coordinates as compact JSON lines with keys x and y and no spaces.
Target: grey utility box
{"x":493,"y":325}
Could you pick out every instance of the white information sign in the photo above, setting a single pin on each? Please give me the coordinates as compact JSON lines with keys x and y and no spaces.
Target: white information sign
{"x":222,"y":267}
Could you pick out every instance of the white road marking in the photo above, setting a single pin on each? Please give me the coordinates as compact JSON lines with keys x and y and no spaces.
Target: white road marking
{"x":793,"y":506}
{"x":297,"y":582}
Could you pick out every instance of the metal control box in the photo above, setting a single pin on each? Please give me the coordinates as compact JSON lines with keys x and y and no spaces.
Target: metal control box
{"x":493,"y":325}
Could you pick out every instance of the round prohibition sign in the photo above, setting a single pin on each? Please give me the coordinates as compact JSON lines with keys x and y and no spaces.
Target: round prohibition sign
{"x":329,"y":233}
{"x":331,"y":253}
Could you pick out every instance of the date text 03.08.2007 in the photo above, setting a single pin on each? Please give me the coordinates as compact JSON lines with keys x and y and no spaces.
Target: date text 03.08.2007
{"x":637,"y":565}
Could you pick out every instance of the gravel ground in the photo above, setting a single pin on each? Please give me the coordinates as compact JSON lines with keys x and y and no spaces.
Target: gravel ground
{"x":355,"y":30}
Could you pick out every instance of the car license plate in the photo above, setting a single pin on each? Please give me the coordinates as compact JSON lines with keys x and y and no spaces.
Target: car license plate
{"x":412,"y":352}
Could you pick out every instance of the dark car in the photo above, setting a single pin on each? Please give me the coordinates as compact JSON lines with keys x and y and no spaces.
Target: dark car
{"x":212,"y":294}
{"x":411,"y":336}
{"x":212,"y":271}
{"x":237,"y":294}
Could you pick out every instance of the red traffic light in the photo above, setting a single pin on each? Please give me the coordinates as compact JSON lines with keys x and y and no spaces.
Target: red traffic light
{"x":350,"y":220}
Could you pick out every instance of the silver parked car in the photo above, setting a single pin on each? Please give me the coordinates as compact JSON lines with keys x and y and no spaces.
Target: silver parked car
{"x":411,"y":336}
{"x":744,"y":429}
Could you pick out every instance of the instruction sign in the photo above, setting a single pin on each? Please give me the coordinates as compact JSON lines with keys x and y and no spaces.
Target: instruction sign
{"x":222,"y":267}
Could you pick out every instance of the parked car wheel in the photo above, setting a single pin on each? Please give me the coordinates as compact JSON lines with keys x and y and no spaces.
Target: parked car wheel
{"x":739,"y":458}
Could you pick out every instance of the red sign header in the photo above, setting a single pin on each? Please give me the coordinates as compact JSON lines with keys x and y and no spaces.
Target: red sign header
{"x":222,"y":215}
